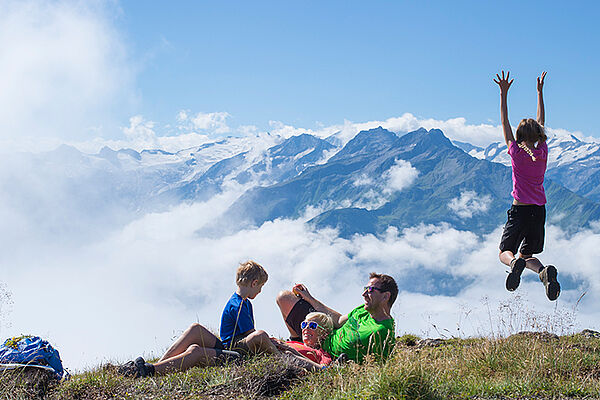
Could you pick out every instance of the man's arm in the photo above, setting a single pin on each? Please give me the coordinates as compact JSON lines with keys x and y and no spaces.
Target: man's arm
{"x":541,"y":113}
{"x":504,"y":84}
{"x":338,"y":319}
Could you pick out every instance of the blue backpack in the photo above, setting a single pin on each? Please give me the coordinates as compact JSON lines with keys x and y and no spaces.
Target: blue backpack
{"x":32,"y":350}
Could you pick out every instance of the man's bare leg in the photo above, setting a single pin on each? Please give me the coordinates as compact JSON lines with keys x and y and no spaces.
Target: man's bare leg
{"x":286,"y":301}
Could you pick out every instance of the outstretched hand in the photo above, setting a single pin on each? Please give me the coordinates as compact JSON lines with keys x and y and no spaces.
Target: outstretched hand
{"x":540,"y":81}
{"x":301,"y":291}
{"x":503,"y":82}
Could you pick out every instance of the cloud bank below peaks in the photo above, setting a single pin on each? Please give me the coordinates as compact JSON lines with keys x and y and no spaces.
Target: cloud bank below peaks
{"x":157,"y":275}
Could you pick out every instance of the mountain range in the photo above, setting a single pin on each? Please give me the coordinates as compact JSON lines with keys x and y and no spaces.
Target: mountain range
{"x":376,"y":180}
{"x":451,"y":187}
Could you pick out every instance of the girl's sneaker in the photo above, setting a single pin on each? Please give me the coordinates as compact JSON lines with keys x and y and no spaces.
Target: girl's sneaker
{"x":548,"y":278}
{"x":513,"y":279}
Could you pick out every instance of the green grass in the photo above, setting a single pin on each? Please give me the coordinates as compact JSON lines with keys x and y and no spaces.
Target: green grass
{"x":519,"y":367}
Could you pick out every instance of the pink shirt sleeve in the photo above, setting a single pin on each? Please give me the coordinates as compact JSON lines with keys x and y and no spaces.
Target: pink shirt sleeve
{"x":541,"y":151}
{"x":513,"y":148}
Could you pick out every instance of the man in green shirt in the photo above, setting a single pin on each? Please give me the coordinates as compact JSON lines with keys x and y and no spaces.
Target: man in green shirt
{"x":366,"y":330}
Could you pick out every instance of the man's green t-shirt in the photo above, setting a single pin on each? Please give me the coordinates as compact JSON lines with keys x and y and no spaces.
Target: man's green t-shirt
{"x":362,"y":335}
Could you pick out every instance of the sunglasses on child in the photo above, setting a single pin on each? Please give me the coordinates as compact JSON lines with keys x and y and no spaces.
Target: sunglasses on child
{"x":310,"y":324}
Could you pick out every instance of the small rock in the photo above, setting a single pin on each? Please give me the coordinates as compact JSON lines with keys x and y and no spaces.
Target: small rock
{"x":429,"y":343}
{"x":590,"y":333}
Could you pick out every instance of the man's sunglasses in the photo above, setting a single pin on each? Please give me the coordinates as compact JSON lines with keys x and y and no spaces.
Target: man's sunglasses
{"x":370,"y":289}
{"x":310,"y":324}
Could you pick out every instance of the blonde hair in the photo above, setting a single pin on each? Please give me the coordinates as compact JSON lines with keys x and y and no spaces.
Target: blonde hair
{"x":249,"y":272}
{"x":322,"y":319}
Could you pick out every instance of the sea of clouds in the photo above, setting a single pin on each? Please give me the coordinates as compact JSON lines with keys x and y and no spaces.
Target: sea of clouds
{"x":132,"y":291}
{"x":109,"y":292}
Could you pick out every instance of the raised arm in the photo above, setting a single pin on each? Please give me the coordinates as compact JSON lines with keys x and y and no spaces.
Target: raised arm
{"x":338,"y":319}
{"x":541,"y":113}
{"x":504,"y":84}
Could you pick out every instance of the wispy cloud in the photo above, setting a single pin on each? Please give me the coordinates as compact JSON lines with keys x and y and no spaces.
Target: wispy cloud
{"x":68,"y":70}
{"x":141,"y":132}
{"x":470,"y":203}
{"x":398,"y":177}
{"x":209,"y":123}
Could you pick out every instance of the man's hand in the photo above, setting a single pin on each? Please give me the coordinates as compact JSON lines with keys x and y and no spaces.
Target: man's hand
{"x":504,"y":83}
{"x":540,"y":81}
{"x":301,"y":291}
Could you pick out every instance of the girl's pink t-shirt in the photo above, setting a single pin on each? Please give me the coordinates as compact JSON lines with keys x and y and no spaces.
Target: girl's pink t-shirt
{"x":319,"y":356}
{"x":528,"y":175}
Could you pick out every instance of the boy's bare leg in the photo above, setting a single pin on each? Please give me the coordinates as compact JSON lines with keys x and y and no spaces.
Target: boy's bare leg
{"x":260,"y":342}
{"x":532,"y":263}
{"x":506,"y":257}
{"x":286,"y":301}
{"x":196,"y":334}
{"x":193,"y":356}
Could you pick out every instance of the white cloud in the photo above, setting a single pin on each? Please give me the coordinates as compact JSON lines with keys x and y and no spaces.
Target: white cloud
{"x":469,"y":204}
{"x":400,"y":175}
{"x":454,"y":128}
{"x":286,"y":131}
{"x":247,"y":130}
{"x":141,"y":132}
{"x":215,"y":122}
{"x":156,"y":275}
{"x":65,"y":68}
{"x":182,"y":116}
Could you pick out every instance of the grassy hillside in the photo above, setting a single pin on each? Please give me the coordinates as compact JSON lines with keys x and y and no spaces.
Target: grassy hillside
{"x":523,"y":366}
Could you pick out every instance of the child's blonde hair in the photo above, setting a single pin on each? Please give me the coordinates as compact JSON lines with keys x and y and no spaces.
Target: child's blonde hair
{"x":322,"y":319}
{"x":529,"y":130}
{"x":249,"y":272}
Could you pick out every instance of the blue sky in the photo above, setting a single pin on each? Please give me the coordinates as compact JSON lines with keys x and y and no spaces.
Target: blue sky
{"x":317,"y":61}
{"x":81,"y":70}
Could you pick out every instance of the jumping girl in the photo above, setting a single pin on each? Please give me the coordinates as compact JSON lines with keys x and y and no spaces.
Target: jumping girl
{"x":527,"y":215}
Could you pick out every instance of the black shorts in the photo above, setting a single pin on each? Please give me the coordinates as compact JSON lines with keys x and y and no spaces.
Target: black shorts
{"x":297,"y":314}
{"x":525,"y":227}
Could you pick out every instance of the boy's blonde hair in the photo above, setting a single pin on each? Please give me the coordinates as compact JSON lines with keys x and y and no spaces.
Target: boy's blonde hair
{"x":322,"y":319}
{"x":249,"y":272}
{"x":530,"y":130}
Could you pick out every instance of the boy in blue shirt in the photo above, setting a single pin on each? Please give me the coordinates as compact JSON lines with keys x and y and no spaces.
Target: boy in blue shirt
{"x":198,"y":346}
{"x":237,"y":321}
